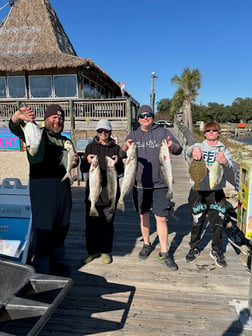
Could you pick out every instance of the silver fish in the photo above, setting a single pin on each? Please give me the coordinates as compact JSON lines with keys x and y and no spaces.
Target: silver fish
{"x":111,"y":181}
{"x":94,"y":185}
{"x":216,"y":171}
{"x":129,"y":176}
{"x":67,"y":160}
{"x":165,"y":166}
{"x":33,"y":135}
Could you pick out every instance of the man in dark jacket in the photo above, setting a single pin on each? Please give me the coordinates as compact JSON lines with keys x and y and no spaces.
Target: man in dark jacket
{"x":150,"y":189}
{"x":51,"y":199}
{"x":100,"y":229}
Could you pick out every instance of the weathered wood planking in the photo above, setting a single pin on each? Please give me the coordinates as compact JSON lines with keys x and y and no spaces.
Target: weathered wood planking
{"x":143,"y":298}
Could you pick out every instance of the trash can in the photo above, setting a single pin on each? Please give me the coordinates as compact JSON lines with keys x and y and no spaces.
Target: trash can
{"x":80,"y":146}
{"x":15,"y":220}
{"x":28,"y":299}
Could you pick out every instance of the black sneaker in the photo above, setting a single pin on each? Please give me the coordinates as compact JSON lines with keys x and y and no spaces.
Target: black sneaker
{"x":145,"y":252}
{"x":60,"y":269}
{"x":168,"y":261}
{"x":192,"y":255}
{"x":219,"y":258}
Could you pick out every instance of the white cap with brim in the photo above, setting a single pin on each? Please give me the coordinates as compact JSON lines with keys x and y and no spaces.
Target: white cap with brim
{"x":105,"y":124}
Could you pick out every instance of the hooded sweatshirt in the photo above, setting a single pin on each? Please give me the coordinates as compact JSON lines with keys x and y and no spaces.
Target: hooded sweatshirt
{"x":109,"y":149}
{"x":148,"y":143}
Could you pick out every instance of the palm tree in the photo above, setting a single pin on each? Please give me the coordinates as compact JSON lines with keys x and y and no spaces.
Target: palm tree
{"x":188,"y":85}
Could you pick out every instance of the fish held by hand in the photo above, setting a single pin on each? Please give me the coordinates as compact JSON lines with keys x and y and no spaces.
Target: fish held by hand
{"x":67,"y":160}
{"x":94,"y":185}
{"x":197,"y":172}
{"x":111,"y":181}
{"x":166,"y":167}
{"x":129,"y":176}
{"x":33,"y":135}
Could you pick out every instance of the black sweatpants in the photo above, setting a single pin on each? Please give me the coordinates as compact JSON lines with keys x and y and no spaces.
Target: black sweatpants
{"x":211,"y":204}
{"x":99,"y":230}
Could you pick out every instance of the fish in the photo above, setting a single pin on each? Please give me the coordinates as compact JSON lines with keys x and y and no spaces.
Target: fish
{"x":111,"y":174}
{"x":33,"y":135}
{"x":67,"y":160}
{"x":216,"y":171}
{"x":166,"y":167}
{"x":197,"y":172}
{"x":95,"y":187}
{"x":128,"y":180}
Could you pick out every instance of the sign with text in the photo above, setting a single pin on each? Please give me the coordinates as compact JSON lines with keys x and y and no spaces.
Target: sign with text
{"x":8,"y":140}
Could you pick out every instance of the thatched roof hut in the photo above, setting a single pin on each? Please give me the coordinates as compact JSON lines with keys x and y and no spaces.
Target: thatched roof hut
{"x":32,"y":39}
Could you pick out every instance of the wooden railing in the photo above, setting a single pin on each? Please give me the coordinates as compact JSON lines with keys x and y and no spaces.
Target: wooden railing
{"x":113,"y":109}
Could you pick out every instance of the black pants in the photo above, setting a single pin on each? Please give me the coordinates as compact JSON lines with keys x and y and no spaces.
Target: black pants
{"x":99,"y":230}
{"x":51,"y":203}
{"x":213,"y":204}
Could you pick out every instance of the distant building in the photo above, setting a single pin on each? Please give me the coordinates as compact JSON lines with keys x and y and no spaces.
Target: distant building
{"x":39,"y":66}
{"x":38,"y":61}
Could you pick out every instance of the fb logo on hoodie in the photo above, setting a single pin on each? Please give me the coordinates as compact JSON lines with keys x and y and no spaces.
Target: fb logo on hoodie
{"x":209,"y":157}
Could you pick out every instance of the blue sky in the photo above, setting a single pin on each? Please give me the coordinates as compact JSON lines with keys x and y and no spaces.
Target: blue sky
{"x":131,"y":39}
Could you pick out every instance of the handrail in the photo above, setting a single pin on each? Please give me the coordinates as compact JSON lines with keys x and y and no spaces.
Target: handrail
{"x":82,"y":109}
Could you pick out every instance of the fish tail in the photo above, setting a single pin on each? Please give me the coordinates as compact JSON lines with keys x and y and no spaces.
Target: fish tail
{"x":111,"y":208}
{"x":67,"y":175}
{"x":121,"y":205}
{"x":169,"y":194}
{"x":93,"y":212}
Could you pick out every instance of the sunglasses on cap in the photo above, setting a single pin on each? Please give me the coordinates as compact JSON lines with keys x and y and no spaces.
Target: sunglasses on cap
{"x":143,"y":115}
{"x":213,"y":130}
{"x":102,"y":130}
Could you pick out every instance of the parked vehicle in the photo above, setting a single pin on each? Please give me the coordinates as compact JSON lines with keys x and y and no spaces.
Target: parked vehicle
{"x":164,"y":123}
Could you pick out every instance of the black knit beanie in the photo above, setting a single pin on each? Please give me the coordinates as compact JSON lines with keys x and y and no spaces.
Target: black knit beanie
{"x":54,"y":109}
{"x":144,"y":108}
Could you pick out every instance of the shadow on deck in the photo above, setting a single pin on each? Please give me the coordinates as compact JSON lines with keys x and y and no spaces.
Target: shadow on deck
{"x":133,"y":297}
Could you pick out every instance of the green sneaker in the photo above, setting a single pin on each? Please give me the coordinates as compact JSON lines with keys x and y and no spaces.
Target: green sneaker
{"x":168,"y":261}
{"x":106,"y":258}
{"x":90,"y":258}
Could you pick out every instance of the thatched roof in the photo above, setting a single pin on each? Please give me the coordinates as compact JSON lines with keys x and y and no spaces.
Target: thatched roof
{"x":32,"y":38}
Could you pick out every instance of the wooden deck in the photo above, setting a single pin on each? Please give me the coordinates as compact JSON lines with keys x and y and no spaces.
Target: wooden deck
{"x":142,"y":298}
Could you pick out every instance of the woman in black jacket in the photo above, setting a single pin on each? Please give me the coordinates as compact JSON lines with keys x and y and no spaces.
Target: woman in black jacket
{"x":100,"y":229}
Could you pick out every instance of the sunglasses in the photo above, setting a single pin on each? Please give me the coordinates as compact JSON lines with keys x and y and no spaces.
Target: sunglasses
{"x":103,"y":130}
{"x":213,"y":130}
{"x":143,"y":115}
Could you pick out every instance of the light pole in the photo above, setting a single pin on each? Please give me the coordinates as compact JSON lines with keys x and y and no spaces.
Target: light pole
{"x":153,"y":76}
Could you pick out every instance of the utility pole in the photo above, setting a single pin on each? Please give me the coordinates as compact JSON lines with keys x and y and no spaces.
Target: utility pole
{"x":153,"y":76}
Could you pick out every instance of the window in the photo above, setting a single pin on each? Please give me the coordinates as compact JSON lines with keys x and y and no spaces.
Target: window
{"x":2,"y":87}
{"x":86,"y":88}
{"x":65,"y":86}
{"x":103,"y":96}
{"x":16,"y":85}
{"x":40,"y":86}
{"x":92,"y":90}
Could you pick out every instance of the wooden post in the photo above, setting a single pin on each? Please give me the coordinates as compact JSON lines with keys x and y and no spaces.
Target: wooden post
{"x":72,"y":121}
{"x":129,"y":115}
